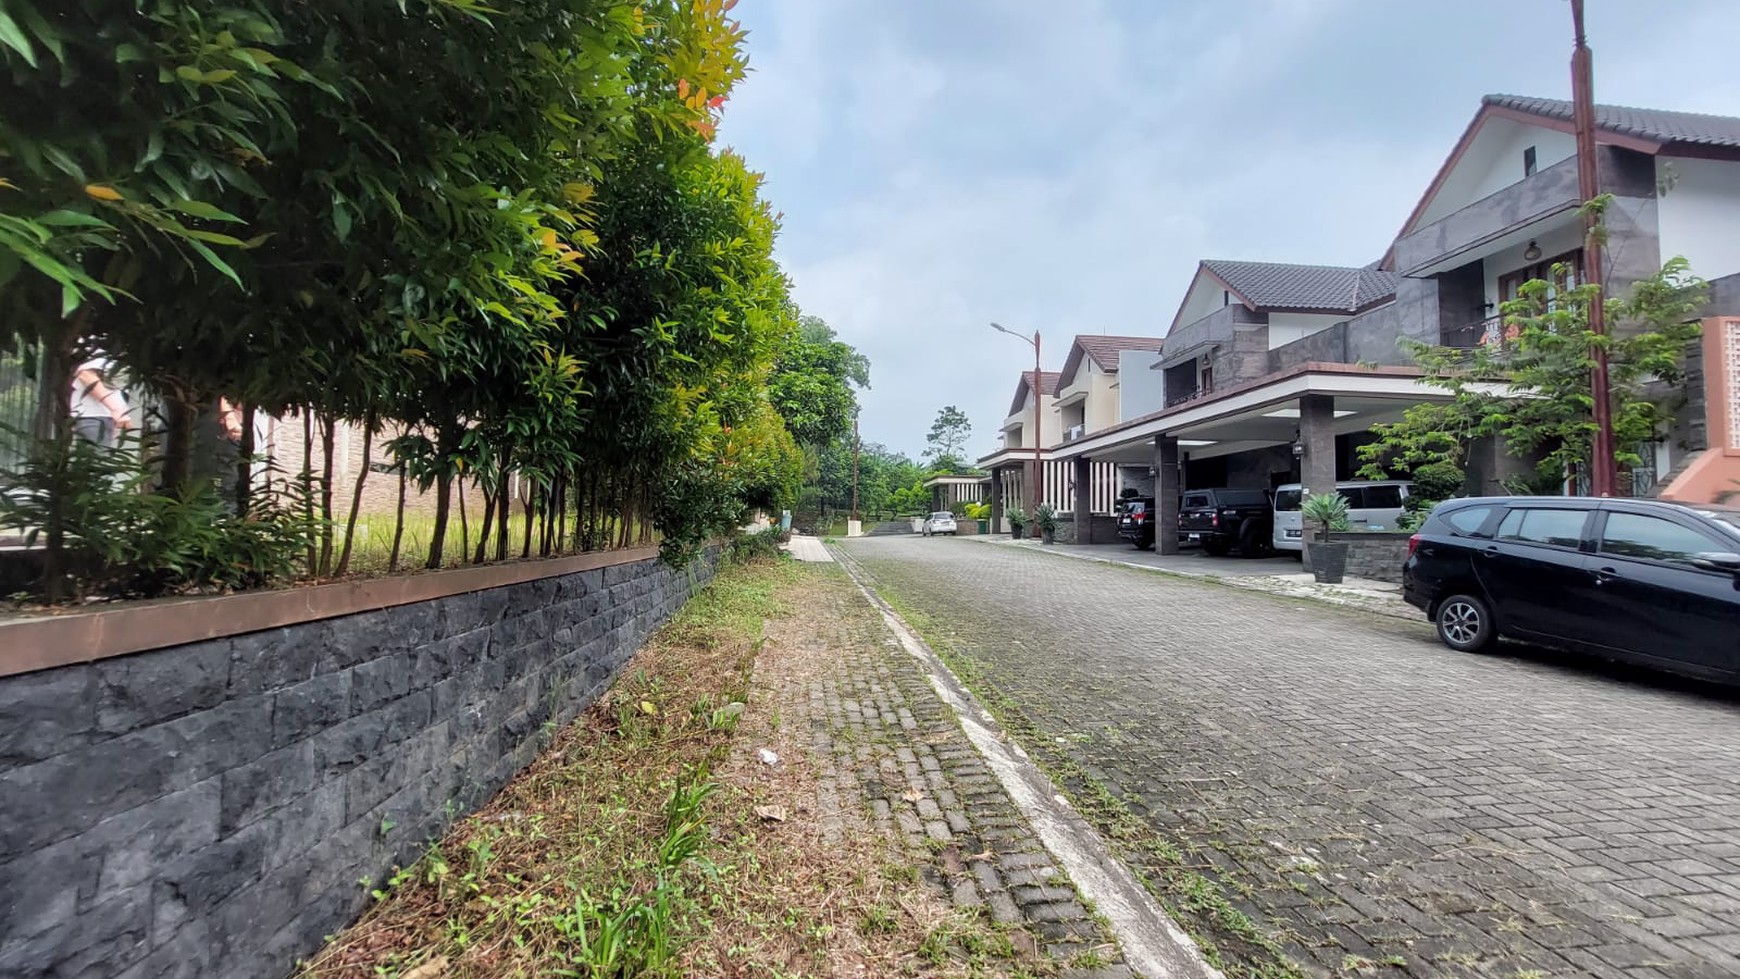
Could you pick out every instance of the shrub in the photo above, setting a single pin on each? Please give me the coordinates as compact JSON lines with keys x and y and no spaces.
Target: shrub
{"x":1327,"y":510}
{"x":117,"y":541}
{"x":758,"y":546}
{"x":1045,"y":517}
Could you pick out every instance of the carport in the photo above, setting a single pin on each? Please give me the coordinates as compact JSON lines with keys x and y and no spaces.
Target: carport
{"x":1288,"y":419}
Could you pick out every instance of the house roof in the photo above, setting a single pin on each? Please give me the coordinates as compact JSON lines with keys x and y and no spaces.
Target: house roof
{"x":1643,"y":130}
{"x":1660,"y":125}
{"x":1047,"y":386}
{"x":1276,"y":285}
{"x":1103,"y":350}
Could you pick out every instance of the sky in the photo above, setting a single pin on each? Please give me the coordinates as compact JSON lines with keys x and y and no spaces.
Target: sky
{"x":942,"y":164}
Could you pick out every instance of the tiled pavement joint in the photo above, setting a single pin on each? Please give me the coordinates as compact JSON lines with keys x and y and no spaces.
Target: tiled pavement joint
{"x":1018,"y":884}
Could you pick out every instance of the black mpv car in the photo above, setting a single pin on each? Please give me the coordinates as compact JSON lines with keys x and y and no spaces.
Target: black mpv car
{"x":1642,"y":580}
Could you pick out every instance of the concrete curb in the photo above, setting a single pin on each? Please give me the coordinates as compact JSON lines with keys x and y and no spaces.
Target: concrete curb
{"x":1246,"y":582}
{"x":1153,"y":944}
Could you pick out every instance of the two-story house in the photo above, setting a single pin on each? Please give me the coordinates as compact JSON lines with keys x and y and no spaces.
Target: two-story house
{"x":1277,"y":372}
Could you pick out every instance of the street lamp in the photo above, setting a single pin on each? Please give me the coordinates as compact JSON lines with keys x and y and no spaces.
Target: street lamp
{"x":1038,"y":487}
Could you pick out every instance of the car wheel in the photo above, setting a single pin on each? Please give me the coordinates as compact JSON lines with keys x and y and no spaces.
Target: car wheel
{"x":1214,"y":548}
{"x":1253,"y":544}
{"x":1465,"y":624}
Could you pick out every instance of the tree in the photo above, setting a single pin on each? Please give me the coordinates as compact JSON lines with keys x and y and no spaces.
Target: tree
{"x":812,"y":384}
{"x":1544,"y":361}
{"x":948,"y":436}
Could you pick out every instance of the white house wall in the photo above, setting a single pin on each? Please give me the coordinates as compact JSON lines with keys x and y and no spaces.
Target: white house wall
{"x":1205,"y":296}
{"x":1699,"y":214}
{"x":1141,"y":390}
{"x":1494,"y":161}
{"x":1551,"y":244}
{"x":1284,"y":328}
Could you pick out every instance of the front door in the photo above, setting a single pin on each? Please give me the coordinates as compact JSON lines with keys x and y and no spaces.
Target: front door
{"x":1535,"y":573}
{"x":1656,"y":603}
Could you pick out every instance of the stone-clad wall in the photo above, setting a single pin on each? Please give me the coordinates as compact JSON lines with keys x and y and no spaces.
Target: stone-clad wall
{"x":208,"y":809}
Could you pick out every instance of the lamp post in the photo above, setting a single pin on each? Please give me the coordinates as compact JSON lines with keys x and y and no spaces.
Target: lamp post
{"x":1601,"y":476}
{"x":1037,"y":490}
{"x":854,"y":526}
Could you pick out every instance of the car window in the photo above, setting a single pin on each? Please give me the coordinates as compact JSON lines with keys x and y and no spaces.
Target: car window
{"x":1639,"y":536}
{"x":939,"y":514}
{"x":1354,"y":495}
{"x":1383,"y":497}
{"x":1560,"y":528}
{"x":1467,"y":521}
{"x":1243,"y":498}
{"x":1287,"y":500}
{"x":1196,"y":499}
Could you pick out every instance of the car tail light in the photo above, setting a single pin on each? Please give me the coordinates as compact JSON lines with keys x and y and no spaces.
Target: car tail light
{"x":1413,"y":544}
{"x":1214,"y":520}
{"x":1137,"y":517}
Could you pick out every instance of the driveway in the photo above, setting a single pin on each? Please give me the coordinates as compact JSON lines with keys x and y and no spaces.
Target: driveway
{"x":1344,"y":793}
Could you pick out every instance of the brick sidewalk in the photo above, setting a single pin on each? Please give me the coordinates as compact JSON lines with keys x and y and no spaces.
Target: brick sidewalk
{"x":892,"y":755}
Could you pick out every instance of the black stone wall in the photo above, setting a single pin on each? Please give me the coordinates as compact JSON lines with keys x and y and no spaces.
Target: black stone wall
{"x":208,"y":809}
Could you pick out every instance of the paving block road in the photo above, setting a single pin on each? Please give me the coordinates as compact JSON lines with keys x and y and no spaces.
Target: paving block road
{"x":1340,"y":792}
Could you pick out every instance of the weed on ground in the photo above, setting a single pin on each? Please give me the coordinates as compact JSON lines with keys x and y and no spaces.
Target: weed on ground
{"x":651,"y":837}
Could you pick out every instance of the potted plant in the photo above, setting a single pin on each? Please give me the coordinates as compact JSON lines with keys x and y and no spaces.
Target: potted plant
{"x":1045,"y":518}
{"x":1328,"y":511}
{"x":1017,"y":522}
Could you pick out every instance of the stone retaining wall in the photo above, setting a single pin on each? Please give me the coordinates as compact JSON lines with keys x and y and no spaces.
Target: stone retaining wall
{"x":1374,"y":555}
{"x":207,"y":809}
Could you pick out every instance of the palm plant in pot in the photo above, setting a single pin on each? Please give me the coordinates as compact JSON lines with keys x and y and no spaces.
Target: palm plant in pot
{"x":1017,"y":522}
{"x":1045,"y":518}
{"x":1328,"y":511}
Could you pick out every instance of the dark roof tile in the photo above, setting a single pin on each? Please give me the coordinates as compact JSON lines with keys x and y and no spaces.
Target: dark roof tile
{"x":1657,"y":124}
{"x":1332,"y":288}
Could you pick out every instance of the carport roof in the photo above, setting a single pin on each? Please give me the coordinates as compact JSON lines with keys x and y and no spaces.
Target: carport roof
{"x":1254,"y":412}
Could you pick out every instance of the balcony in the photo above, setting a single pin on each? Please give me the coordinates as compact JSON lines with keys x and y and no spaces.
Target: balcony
{"x":1488,"y":332}
{"x":1074,"y":432}
{"x":1492,"y":220}
{"x":1216,"y":329}
{"x":1174,"y":399}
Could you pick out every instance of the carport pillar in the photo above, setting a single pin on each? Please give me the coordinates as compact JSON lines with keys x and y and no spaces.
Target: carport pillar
{"x":1083,"y":497}
{"x":996,"y":501}
{"x":1317,"y":439}
{"x":1166,"y":494}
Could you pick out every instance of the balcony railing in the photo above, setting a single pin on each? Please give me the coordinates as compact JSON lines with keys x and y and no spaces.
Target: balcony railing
{"x":1074,"y":432}
{"x":1183,"y":396}
{"x":1488,"y":332}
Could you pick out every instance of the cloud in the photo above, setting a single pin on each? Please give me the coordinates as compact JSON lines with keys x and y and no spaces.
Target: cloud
{"x":1064,"y":167}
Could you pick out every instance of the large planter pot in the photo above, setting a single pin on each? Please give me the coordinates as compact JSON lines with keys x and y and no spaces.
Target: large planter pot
{"x":1048,"y":536}
{"x":1328,"y":561}
{"x":1017,"y":531}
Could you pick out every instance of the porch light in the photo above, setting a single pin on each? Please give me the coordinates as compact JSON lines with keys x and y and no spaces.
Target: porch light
{"x":1532,"y":252}
{"x":1298,"y":450}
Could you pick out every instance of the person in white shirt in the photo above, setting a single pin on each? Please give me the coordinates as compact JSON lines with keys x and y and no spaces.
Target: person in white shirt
{"x":99,"y":412}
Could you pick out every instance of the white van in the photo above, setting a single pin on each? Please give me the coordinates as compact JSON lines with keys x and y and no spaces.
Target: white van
{"x":1370,"y":506}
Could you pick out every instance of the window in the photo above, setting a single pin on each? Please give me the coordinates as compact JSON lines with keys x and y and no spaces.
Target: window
{"x":1354,"y":495}
{"x":1652,"y":538}
{"x":1287,"y":500}
{"x":1559,"y":528}
{"x":1195,"y":500}
{"x":1467,"y":521}
{"x":1529,"y":162}
{"x":1383,"y":497}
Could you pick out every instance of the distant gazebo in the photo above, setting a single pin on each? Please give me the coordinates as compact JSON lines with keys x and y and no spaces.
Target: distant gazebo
{"x":946,"y":491}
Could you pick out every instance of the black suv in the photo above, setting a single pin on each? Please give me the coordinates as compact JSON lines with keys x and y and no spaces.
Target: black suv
{"x":1222,"y":519}
{"x":1136,"y":521}
{"x":1642,"y":580}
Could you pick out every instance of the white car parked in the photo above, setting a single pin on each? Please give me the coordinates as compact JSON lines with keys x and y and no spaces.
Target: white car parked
{"x":1370,"y":506}
{"x":940,"y":522}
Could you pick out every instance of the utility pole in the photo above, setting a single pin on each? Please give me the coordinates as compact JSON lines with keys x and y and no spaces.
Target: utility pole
{"x":1603,"y":478}
{"x":1037,"y":486}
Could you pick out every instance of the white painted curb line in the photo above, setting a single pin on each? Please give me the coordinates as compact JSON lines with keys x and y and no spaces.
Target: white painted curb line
{"x":1153,"y":944}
